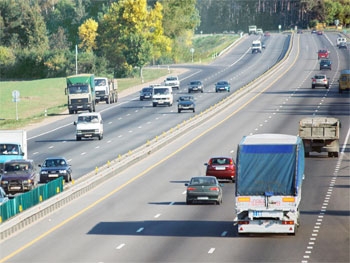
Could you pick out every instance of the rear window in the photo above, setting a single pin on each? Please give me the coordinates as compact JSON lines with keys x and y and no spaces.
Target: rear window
{"x":320,"y":77}
{"x":220,"y":161}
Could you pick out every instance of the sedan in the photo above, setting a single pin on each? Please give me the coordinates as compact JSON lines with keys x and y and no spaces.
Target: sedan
{"x":55,"y":167}
{"x":325,"y":64}
{"x":223,"y":168}
{"x":222,"y":86}
{"x":195,"y":86}
{"x":146,"y":93}
{"x":203,"y":189}
{"x":186,"y":103}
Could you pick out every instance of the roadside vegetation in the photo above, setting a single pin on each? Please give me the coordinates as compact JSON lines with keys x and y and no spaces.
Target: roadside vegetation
{"x":44,"y":98}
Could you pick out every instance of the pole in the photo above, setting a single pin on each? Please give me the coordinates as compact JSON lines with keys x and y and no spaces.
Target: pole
{"x":76,"y":59}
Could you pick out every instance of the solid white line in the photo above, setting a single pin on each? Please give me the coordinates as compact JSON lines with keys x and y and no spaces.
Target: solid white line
{"x":140,"y":230}
{"x":211,"y":251}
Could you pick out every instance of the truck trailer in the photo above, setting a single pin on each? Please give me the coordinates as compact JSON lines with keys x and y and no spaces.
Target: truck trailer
{"x":80,"y":91}
{"x":270,"y":171}
{"x":13,"y":145}
{"x":320,"y":134}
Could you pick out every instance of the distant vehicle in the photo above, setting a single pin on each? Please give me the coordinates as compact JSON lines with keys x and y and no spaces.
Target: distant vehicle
{"x":340,"y":40}
{"x":300,"y":31}
{"x":89,"y":125}
{"x":3,"y":196}
{"x":186,"y":103}
{"x":342,"y":45}
{"x":320,"y":80}
{"x":162,"y":95}
{"x":313,"y":31}
{"x":267,"y":34}
{"x":53,"y":168}
{"x":344,"y":80}
{"x":325,"y":64}
{"x":256,"y":46}
{"x":323,"y":53}
{"x":106,"y":90}
{"x":259,"y":31}
{"x":263,"y":45}
{"x":319,"y":33}
{"x":195,"y":86}
{"x":146,"y":93}
{"x":203,"y":189}
{"x":172,"y":81}
{"x":252,"y":29}
{"x":223,"y":168}
{"x":19,"y":176}
{"x":222,"y":85}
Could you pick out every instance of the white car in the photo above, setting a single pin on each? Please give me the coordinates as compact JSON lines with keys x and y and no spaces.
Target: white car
{"x":89,"y":125}
{"x":162,"y":95}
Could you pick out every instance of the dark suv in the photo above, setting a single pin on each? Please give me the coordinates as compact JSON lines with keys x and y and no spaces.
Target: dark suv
{"x":19,"y":176}
{"x":325,"y":64}
{"x":55,"y":167}
{"x":195,"y":86}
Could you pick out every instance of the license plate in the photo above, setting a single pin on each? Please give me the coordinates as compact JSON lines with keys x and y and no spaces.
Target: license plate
{"x":220,"y":168}
{"x":202,"y":198}
{"x":15,"y":187}
{"x":53,"y":175}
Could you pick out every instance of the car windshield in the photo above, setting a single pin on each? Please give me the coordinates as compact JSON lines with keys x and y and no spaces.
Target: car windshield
{"x":320,"y":77}
{"x":88,"y":119}
{"x":100,"y":82}
{"x":17,"y":167}
{"x":161,"y":91}
{"x":54,"y":162}
{"x":195,"y":83}
{"x":77,"y":89}
{"x":147,"y":89}
{"x":171,"y":78}
{"x":8,"y":149}
{"x":222,"y":83}
{"x":188,"y":98}
{"x":203,"y":181}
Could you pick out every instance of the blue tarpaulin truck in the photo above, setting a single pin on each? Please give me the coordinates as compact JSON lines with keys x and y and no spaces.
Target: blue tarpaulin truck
{"x":13,"y":145}
{"x":270,"y":171}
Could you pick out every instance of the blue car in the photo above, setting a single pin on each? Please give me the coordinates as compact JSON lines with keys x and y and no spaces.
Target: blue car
{"x":222,"y":86}
{"x":186,"y":103}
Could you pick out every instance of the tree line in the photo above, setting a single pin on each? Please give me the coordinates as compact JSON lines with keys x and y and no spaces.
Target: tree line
{"x":39,"y":38}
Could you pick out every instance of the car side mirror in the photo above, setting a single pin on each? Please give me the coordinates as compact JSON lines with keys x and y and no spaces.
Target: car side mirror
{"x":186,"y":184}
{"x":206,"y":164}
{"x":74,"y":123}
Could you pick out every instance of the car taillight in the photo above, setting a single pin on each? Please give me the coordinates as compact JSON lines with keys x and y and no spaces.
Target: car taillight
{"x":214,"y":189}
{"x":287,"y":222}
{"x":231,"y":162}
{"x":210,"y":162}
{"x":191,"y":188}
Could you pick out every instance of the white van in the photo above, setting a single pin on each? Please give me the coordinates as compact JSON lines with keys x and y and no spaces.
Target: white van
{"x":340,"y":39}
{"x":162,"y":95}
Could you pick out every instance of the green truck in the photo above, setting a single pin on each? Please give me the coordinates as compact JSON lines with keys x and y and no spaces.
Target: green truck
{"x":80,"y":92}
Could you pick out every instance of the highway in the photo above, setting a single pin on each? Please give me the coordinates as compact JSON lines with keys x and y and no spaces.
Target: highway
{"x":140,"y":214}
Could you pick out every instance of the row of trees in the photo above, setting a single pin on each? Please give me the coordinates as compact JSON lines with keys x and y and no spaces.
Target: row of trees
{"x":38,"y":38}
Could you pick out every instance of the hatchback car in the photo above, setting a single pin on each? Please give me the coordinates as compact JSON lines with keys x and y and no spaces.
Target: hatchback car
{"x":223,"y":168}
{"x":146,"y":93}
{"x":320,"y":80}
{"x":342,"y":45}
{"x":222,"y":86}
{"x":203,"y":189}
{"x":55,"y":167}
{"x":19,"y":176}
{"x":195,"y":86}
{"x":323,"y":53}
{"x":186,"y":103}
{"x":325,"y":64}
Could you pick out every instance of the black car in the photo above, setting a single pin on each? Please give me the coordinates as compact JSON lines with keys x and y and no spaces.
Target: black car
{"x":325,"y":64}
{"x":203,"y":189}
{"x":55,"y":167}
{"x":146,"y":93}
{"x":222,"y":85}
{"x":19,"y":176}
{"x":195,"y":86}
{"x":186,"y":103}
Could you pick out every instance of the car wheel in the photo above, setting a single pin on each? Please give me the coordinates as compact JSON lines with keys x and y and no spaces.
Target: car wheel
{"x":194,"y":110}
{"x":307,"y":154}
{"x":179,"y":111}
{"x":313,"y":86}
{"x":327,"y":87}
{"x":78,"y":138}
{"x":141,"y":99}
{"x":188,"y":202}
{"x":201,"y":91}
{"x":71,"y":112}
{"x":154,"y":104}
{"x":189,"y":91}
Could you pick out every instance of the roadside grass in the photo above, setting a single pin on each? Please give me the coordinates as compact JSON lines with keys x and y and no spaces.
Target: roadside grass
{"x":46,"y":97}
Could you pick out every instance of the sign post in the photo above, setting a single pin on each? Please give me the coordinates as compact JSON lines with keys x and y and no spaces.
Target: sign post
{"x":192,"y":51}
{"x":15,"y":98}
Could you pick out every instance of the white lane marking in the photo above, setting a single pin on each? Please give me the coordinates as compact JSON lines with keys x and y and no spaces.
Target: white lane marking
{"x":211,"y":251}
{"x":140,"y":230}
{"x":120,"y":246}
{"x":172,"y":203}
{"x":51,"y":147}
{"x":157,"y":215}
{"x":223,"y":234}
{"x":35,"y":153}
{"x":83,"y":153}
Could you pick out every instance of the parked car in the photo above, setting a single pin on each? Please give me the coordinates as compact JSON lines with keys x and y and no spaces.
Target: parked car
{"x":3,"y":196}
{"x":342,"y":45}
{"x":186,"y":103}
{"x":325,"y":64}
{"x":222,"y":85}
{"x":320,"y":80}
{"x":146,"y":93}
{"x":323,"y":53}
{"x":223,"y":168}
{"x":54,"y":167}
{"x":195,"y":86}
{"x":19,"y":176}
{"x":203,"y":189}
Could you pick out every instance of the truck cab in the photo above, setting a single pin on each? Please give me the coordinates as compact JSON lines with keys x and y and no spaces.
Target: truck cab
{"x":105,"y":90}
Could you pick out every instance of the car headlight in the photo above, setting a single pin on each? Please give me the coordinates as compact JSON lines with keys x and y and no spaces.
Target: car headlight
{"x":97,"y":131}
{"x":79,"y":132}
{"x":62,"y":171}
{"x":4,"y":182}
{"x":27,"y":181}
{"x":43,"y":172}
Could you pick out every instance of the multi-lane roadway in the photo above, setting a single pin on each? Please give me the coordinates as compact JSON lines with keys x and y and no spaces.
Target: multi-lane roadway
{"x":140,"y":215}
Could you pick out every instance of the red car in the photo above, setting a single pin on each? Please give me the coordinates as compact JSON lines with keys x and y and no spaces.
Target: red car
{"x":223,"y":168}
{"x":323,"y":53}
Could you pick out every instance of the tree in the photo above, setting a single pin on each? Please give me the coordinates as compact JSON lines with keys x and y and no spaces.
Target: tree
{"x":88,"y":34}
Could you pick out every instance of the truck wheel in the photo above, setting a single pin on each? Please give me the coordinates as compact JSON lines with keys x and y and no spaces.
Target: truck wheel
{"x":154,"y":104}
{"x":336,"y":154}
{"x":100,"y":137}
{"x":71,"y":112}
{"x":179,"y":111}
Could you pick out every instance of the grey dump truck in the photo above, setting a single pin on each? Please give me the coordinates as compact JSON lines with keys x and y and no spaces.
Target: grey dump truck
{"x":320,"y":134}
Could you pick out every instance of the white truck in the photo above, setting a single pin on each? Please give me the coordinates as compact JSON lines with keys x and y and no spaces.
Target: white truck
{"x":252,"y":29}
{"x":106,"y":90}
{"x":270,"y":171}
{"x":13,"y":145}
{"x":256,"y":46}
{"x":89,"y":125}
{"x":172,"y":81}
{"x":320,"y":134}
{"x":162,"y":95}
